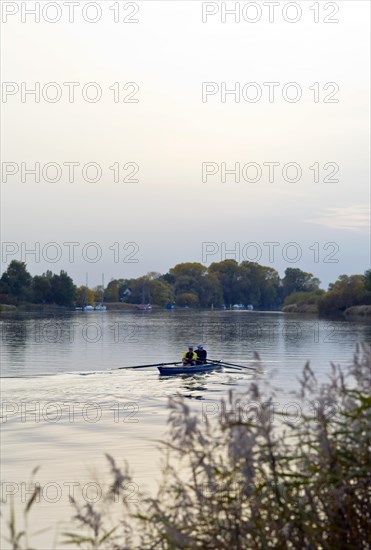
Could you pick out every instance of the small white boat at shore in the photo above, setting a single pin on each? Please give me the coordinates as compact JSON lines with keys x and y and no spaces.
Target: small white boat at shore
{"x":100,"y":307}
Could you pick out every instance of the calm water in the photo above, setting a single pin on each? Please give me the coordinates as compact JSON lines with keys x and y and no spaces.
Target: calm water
{"x":100,"y":341}
{"x":66,"y":403}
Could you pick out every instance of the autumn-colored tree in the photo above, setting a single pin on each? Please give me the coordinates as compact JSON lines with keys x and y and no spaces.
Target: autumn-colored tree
{"x":187,"y":300}
{"x":98,"y":292}
{"x":346,"y":292}
{"x":111,"y":293}
{"x":84,"y":296}
{"x":189,"y":269}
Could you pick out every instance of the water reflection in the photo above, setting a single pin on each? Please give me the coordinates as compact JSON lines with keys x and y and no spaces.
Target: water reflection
{"x":34,"y":344}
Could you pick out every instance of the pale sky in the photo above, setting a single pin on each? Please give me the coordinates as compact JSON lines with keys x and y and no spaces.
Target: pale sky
{"x":170,"y":132}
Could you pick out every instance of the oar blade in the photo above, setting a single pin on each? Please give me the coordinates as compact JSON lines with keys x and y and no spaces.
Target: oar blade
{"x":148,"y":366}
{"x":233,"y":364}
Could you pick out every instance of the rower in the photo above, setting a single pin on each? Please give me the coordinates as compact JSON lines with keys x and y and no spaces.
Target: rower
{"x":201,"y":355}
{"x":189,"y":358}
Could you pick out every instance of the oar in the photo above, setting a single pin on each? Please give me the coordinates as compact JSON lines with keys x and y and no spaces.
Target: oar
{"x":154,"y":365}
{"x":234,"y":367}
{"x":233,"y":364}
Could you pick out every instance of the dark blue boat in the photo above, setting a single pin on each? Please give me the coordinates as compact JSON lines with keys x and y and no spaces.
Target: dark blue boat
{"x":197,"y":369}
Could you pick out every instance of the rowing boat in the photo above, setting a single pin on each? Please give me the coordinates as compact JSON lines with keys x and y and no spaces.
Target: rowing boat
{"x":196,"y":369}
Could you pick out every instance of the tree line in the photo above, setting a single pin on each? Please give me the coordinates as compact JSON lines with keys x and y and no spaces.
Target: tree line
{"x":191,"y":284}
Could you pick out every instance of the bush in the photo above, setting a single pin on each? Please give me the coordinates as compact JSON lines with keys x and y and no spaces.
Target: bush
{"x":186,"y":299}
{"x":303,"y":298}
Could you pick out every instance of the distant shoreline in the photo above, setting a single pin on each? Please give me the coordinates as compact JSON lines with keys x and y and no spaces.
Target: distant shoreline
{"x":29,"y":307}
{"x":303,"y":309}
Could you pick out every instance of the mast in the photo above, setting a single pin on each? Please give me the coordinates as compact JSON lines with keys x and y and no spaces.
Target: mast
{"x":86,"y":291}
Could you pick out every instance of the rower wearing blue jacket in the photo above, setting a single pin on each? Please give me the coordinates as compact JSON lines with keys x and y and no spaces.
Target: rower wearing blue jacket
{"x":201,"y":355}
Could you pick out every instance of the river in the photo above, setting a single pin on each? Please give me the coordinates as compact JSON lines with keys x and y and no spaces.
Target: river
{"x":66,"y":402}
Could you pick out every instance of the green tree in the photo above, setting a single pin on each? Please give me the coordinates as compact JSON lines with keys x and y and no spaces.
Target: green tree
{"x":296,"y":280}
{"x":160,"y":292}
{"x":140,"y":291}
{"x":210,"y":291}
{"x":190,"y":269}
{"x":63,"y":290}
{"x":42,"y":289}
{"x":169,"y":278}
{"x":188,"y":277}
{"x":17,"y":282}
{"x":229,"y":275}
{"x":260,"y":285}
{"x":368,"y":280}
{"x":270,"y":288}
{"x":149,"y":289}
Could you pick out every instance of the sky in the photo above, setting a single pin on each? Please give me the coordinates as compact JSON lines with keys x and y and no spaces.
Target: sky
{"x":155,"y":163}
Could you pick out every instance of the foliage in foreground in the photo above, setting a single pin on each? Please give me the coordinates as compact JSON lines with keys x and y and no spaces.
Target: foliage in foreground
{"x":250,"y":480}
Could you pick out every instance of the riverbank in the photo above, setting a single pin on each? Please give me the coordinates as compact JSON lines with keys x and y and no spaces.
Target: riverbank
{"x":52,"y":308}
{"x":354,"y":311}
{"x":312,"y":309}
{"x":300,"y":308}
{"x":32,"y":307}
{"x":7,"y":307}
{"x":359,"y":311}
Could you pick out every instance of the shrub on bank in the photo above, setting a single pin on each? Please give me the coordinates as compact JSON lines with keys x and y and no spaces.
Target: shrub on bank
{"x":303,"y":302}
{"x":346,"y":292}
{"x":303,"y":298}
{"x":7,"y":307}
{"x":358,"y":310}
